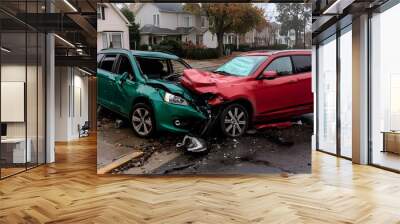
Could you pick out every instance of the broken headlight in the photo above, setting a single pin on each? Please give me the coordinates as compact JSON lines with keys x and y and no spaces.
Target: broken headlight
{"x":174,"y":99}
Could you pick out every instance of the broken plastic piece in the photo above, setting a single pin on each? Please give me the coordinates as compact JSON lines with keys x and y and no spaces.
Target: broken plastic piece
{"x":192,"y":144}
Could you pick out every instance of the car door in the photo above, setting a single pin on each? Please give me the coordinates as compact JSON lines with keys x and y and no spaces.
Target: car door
{"x":126,"y":87}
{"x":105,"y":81}
{"x":302,"y":65}
{"x":278,"y":94}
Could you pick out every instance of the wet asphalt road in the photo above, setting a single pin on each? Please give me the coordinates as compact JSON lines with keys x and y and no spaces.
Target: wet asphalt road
{"x":286,"y":150}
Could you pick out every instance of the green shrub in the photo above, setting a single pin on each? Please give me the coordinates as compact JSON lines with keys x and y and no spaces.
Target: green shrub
{"x":144,"y":47}
{"x":231,"y":47}
{"x":200,"y":53}
{"x":169,"y":46}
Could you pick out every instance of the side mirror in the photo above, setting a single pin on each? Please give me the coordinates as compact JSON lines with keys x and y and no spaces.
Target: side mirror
{"x":269,"y":75}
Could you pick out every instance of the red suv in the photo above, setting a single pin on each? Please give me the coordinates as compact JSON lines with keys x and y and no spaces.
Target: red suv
{"x":256,"y":88}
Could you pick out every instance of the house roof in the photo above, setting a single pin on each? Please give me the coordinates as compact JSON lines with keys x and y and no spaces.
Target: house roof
{"x":151,"y":29}
{"x":170,"y":7}
{"x":162,"y":7}
{"x":118,"y":11}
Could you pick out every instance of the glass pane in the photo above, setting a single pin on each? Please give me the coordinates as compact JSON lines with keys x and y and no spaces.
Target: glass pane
{"x":31,"y":98}
{"x":346,"y":94}
{"x":385,"y":93}
{"x":13,"y":86}
{"x":327,"y":96}
{"x":116,"y":40}
{"x":41,"y":98}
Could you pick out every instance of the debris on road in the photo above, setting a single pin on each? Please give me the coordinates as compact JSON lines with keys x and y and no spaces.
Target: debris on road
{"x":192,"y":144}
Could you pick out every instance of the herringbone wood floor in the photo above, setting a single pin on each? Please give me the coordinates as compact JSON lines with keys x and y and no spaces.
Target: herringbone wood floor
{"x":69,"y":191}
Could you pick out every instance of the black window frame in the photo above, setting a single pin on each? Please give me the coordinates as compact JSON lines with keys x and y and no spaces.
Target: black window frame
{"x":100,"y":57}
{"x":283,"y":56}
{"x":118,"y":64}
{"x":294,"y":65}
{"x":114,"y":63}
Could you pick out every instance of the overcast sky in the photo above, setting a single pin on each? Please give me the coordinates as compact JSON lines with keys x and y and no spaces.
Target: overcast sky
{"x":270,"y":10}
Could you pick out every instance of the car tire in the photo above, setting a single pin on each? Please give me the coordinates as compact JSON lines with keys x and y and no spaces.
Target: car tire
{"x":142,"y":120}
{"x":234,"y":120}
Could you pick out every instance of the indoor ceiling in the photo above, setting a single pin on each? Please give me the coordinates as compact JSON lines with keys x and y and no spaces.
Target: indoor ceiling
{"x":74,"y":22}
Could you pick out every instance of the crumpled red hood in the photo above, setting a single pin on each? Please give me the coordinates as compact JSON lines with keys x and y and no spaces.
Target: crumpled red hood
{"x":204,"y":81}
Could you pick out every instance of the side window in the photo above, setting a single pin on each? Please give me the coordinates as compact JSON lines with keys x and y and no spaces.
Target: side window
{"x":283,"y":66}
{"x":177,"y":67}
{"x":302,"y":63}
{"x":125,"y":66}
{"x":99,"y":57}
{"x":108,"y":62}
{"x":153,"y":68}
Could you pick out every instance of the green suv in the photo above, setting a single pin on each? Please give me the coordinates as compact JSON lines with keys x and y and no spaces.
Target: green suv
{"x":144,"y":87}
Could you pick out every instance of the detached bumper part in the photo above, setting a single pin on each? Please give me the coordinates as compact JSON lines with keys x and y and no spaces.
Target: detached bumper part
{"x":192,"y":144}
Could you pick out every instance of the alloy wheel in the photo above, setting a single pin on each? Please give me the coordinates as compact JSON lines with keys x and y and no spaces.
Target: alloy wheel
{"x":141,"y":121}
{"x":235,"y":121}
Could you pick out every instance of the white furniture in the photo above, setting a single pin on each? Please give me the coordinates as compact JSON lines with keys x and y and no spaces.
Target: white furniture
{"x":17,"y":145}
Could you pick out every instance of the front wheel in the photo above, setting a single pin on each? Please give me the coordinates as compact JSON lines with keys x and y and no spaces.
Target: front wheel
{"x":234,"y":120}
{"x":142,"y":120}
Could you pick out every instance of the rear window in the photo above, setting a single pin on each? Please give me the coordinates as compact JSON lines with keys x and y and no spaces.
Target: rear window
{"x":302,"y":63}
{"x":107,"y":62}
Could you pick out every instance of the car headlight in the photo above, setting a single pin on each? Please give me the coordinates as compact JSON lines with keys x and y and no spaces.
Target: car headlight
{"x":174,"y":99}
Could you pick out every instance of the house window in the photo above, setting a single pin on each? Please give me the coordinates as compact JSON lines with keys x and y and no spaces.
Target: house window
{"x":203,"y":21}
{"x":112,"y":40}
{"x":186,"y":21}
{"x":116,"y":40}
{"x":199,"y":39}
{"x":156,"y":20}
{"x":105,"y":40}
{"x":100,"y":12}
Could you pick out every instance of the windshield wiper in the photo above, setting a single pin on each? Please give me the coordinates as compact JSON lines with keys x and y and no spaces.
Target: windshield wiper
{"x":223,"y":72}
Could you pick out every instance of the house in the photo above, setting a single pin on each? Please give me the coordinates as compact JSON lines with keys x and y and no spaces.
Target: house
{"x":269,"y":35}
{"x":112,"y":27}
{"x":161,"y":21}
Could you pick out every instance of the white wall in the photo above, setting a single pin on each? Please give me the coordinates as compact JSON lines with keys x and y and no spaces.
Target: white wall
{"x":144,"y":39}
{"x":68,"y":83}
{"x":169,"y":20}
{"x":145,"y":14}
{"x":210,"y":40}
{"x":112,"y":22}
{"x":181,"y":20}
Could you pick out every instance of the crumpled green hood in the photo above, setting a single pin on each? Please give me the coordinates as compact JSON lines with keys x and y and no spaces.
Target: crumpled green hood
{"x":171,"y":87}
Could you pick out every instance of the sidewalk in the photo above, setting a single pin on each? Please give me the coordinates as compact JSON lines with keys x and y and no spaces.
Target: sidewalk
{"x":210,"y":64}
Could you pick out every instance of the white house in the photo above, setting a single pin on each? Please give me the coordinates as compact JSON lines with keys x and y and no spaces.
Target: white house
{"x":112,"y":27}
{"x":159,"y":21}
{"x":270,"y":35}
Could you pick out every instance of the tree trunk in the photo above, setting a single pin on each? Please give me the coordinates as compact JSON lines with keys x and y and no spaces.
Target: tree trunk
{"x":297,"y":41}
{"x":220,"y":47}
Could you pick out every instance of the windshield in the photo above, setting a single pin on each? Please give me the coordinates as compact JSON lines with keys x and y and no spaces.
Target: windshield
{"x":241,"y":66}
